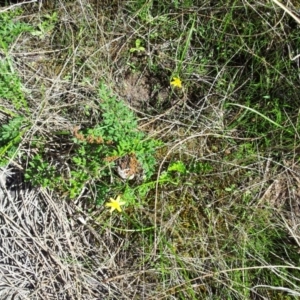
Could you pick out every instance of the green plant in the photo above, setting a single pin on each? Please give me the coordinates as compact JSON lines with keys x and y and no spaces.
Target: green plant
{"x":121,"y":128}
{"x":11,"y":29}
{"x":10,"y":138}
{"x":168,"y":177}
{"x":11,"y":86}
{"x":186,"y":46}
{"x":10,"y":83}
{"x":97,"y":149}
{"x":40,"y":172}
{"x":45,"y":27}
{"x":117,"y":136}
{"x":138,"y":48}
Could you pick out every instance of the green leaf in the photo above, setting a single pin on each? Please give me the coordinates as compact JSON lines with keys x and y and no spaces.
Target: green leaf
{"x":177,"y":166}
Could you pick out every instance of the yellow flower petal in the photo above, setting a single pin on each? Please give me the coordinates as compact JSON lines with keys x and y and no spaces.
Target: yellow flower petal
{"x":115,"y":204}
{"x":176,"y":82}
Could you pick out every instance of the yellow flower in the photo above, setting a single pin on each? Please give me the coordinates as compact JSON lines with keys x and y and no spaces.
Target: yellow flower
{"x":176,"y":82}
{"x":115,"y":204}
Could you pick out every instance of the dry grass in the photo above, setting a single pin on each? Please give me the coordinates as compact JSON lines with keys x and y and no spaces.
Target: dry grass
{"x":46,"y":251}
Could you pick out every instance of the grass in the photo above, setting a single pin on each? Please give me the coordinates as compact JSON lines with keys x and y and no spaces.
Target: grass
{"x":213,"y":212}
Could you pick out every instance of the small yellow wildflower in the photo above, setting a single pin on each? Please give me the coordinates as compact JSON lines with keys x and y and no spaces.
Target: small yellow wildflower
{"x":176,"y":82}
{"x":115,"y":204}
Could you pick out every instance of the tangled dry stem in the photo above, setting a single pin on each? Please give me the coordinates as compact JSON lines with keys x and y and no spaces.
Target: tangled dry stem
{"x":48,"y":252}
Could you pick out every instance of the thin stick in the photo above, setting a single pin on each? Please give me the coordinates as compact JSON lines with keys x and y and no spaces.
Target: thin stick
{"x":287,"y":11}
{"x":15,"y":5}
